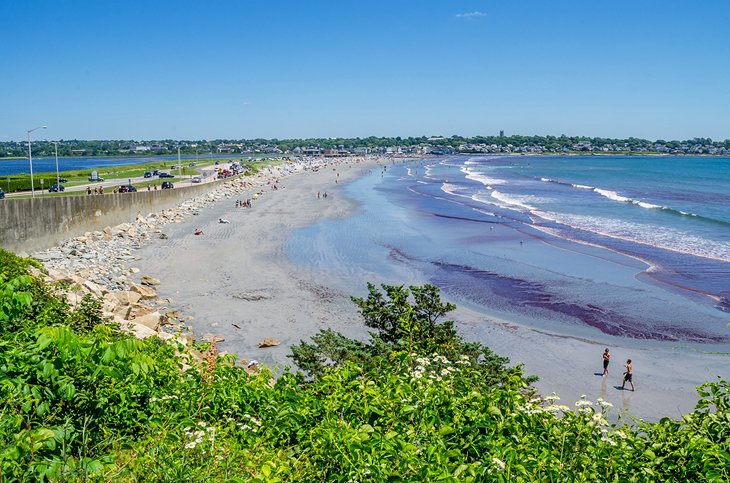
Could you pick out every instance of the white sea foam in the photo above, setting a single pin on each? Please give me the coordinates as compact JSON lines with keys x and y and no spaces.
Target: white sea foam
{"x":510,"y":201}
{"x":612,"y":195}
{"x":483,"y":179}
{"x":454,"y":190}
{"x":583,"y":187}
{"x":651,"y":235}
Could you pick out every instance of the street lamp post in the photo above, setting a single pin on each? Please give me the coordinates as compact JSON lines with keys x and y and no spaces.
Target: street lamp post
{"x":58,"y":178}
{"x":30,"y":160}
{"x":179,"y":167}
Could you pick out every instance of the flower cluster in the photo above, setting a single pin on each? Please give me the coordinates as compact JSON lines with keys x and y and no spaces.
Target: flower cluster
{"x":198,"y":434}
{"x":546,"y":405}
{"x":163,"y":398}
{"x":256,"y":424}
{"x":436,"y":367}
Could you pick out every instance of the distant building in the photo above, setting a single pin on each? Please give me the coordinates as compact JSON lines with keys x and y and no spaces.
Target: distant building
{"x":501,"y":133}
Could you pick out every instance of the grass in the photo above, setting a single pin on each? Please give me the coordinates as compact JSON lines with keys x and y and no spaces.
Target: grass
{"x":77,"y":177}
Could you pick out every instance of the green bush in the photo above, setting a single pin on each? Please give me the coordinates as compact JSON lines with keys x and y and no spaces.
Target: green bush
{"x":415,"y":403}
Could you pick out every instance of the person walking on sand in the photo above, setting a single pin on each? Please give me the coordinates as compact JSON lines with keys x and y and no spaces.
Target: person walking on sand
{"x":628,"y":374}
{"x":606,"y":360}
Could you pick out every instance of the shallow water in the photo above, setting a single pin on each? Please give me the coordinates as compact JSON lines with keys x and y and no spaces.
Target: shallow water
{"x":631,"y":247}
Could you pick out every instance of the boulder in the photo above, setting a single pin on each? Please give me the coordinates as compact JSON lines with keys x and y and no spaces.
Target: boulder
{"x":94,"y":289}
{"x":123,"y":312}
{"x":269,"y":342}
{"x":127,"y":297}
{"x":146,"y":293}
{"x":138,"y":330}
{"x":110,"y":302}
{"x":149,"y":281}
{"x":151,"y":320}
{"x":138,"y":310}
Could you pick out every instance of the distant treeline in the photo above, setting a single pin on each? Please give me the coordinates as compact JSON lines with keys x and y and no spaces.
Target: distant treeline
{"x":77,"y":147}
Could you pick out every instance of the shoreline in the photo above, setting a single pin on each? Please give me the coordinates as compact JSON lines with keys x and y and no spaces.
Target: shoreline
{"x":236,"y":282}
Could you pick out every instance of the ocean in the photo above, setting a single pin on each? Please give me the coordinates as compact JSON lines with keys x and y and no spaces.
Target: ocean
{"x":629,"y":247}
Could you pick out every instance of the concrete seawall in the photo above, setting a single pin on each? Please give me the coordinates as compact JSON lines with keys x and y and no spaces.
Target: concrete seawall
{"x":30,"y":224}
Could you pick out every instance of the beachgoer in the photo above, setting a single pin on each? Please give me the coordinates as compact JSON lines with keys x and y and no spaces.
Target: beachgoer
{"x":606,"y":360}
{"x":88,"y":190}
{"x":223,"y":220}
{"x":198,"y":231}
{"x":628,"y":375}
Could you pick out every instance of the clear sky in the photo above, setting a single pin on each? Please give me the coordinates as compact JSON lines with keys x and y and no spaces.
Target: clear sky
{"x":179,"y":69}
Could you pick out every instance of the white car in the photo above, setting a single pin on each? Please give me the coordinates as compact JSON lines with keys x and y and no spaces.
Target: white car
{"x":196,"y":179}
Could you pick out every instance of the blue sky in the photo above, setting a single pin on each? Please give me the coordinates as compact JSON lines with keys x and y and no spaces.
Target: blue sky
{"x":280,"y":69}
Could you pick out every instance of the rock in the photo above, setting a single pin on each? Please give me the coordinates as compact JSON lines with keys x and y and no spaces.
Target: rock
{"x":252,"y":296}
{"x":93,"y":288}
{"x":269,"y":342}
{"x":147,"y":280}
{"x":138,"y":310}
{"x":163,"y":236}
{"x":127,"y":297}
{"x":123,"y":312}
{"x":151,"y":320}
{"x":110,"y":302}
{"x":146,"y":293}
{"x":210,"y":337}
{"x":173,"y":314}
{"x":138,"y":330}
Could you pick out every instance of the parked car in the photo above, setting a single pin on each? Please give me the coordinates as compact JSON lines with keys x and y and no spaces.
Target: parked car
{"x":147,"y":174}
{"x":166,"y":185}
{"x":56,"y":188}
{"x":155,"y":172}
{"x":165,"y":175}
{"x":98,"y":178}
{"x":196,"y":179}
{"x":62,"y":180}
{"x":127,"y":188}
{"x":2,"y":194}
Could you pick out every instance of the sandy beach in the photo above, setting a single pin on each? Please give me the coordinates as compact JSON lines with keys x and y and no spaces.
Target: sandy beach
{"x":237,"y":283}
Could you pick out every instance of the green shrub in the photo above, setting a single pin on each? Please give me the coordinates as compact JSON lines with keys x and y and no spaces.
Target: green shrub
{"x":415,"y":403}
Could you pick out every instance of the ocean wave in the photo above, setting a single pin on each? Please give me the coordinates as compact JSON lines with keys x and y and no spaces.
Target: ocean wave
{"x":483,"y":179}
{"x":650,"y":235}
{"x":453,"y":189}
{"x":614,"y":196}
{"x":564,"y":183}
{"x":512,"y":200}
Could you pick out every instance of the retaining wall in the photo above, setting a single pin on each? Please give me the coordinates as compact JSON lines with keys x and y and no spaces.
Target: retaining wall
{"x":30,"y":224}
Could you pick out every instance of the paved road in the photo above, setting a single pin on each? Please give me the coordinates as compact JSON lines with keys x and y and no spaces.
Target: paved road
{"x":206,"y":175}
